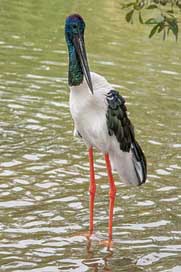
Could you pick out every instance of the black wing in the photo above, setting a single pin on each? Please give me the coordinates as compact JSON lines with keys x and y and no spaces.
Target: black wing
{"x":118,"y":124}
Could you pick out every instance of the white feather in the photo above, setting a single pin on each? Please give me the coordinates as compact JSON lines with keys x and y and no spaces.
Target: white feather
{"x":89,"y":115}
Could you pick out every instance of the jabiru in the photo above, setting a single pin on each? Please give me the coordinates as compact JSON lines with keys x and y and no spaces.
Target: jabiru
{"x":100,"y":119}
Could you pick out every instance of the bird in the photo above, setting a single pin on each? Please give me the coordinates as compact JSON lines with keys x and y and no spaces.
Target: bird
{"x":100,"y":119}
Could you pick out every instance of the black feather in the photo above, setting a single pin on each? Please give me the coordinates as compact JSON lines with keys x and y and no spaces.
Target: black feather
{"x":118,"y":124}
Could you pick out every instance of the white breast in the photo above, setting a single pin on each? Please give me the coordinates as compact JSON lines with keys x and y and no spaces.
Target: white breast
{"x":89,"y":111}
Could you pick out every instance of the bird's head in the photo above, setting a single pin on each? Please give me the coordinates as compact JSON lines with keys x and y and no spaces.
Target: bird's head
{"x":74,"y":25}
{"x":74,"y":34}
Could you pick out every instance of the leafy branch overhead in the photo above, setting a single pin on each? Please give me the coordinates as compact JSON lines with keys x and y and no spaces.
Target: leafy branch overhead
{"x":164,"y":15}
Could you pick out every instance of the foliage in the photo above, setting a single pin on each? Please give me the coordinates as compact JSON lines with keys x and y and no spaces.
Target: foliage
{"x":164,"y":15}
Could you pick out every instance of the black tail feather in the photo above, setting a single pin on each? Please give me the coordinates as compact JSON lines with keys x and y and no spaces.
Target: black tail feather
{"x":139,"y":161}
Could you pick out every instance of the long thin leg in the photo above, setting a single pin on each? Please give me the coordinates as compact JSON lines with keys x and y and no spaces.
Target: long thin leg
{"x":92,"y":190}
{"x":112,"y":194}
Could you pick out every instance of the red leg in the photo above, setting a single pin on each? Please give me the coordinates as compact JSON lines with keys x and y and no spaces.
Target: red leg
{"x":112,"y":194}
{"x":92,"y":190}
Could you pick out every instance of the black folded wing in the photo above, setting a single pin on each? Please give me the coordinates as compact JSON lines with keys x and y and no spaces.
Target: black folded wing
{"x":118,"y":124}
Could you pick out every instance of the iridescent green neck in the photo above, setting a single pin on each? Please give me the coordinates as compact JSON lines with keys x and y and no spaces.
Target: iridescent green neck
{"x":75,"y":75}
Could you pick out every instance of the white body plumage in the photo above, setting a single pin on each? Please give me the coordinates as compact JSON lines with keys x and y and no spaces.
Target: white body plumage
{"x":89,"y":115}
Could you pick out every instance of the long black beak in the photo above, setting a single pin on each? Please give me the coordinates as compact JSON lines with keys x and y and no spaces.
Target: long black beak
{"x":81,"y":52}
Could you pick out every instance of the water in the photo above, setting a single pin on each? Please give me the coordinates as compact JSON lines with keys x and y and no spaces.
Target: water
{"x":44,"y":170}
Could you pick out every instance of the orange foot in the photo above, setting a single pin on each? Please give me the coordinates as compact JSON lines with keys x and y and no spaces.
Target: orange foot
{"x":107,"y":243}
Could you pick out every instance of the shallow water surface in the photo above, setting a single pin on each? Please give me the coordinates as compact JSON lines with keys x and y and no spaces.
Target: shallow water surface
{"x":44,"y":203}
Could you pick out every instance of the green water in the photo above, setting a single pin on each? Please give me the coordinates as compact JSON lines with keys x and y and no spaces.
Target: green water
{"x":44,"y":179}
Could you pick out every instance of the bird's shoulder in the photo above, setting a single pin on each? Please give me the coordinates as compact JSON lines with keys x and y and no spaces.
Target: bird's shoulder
{"x":95,"y":77}
{"x":118,"y":123}
{"x":100,"y":84}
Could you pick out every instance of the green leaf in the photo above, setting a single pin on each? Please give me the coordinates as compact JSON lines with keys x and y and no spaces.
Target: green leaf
{"x":173,"y":25}
{"x":174,"y":28}
{"x":170,"y":11}
{"x":157,"y":20}
{"x":140,"y":18}
{"x":151,"y":21}
{"x":153,"y":31}
{"x":161,"y":27}
{"x":129,"y":16}
{"x":153,"y":6}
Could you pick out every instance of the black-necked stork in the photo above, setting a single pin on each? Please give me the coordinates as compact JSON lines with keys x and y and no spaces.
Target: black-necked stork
{"x":100,"y":118}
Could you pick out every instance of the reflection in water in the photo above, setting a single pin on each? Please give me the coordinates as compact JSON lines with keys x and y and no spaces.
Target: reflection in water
{"x":104,"y":263}
{"x":44,"y":170}
{"x":94,"y":262}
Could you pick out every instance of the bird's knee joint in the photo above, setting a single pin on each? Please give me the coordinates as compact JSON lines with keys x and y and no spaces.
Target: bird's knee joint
{"x":112,"y":193}
{"x":92,"y":191}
